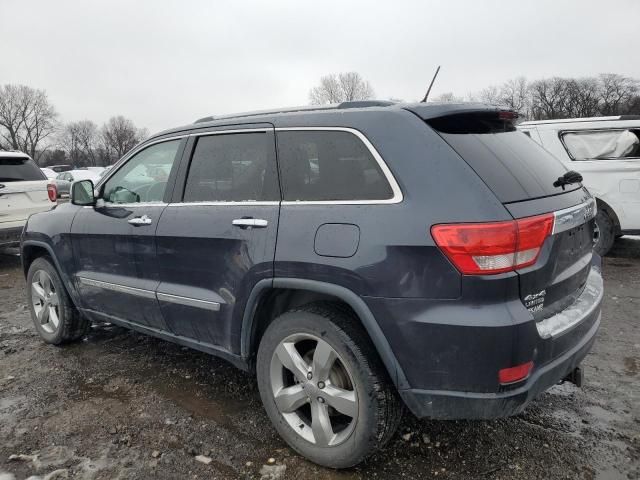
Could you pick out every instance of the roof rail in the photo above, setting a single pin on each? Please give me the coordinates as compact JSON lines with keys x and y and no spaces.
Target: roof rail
{"x":305,"y":108}
{"x":365,"y":104}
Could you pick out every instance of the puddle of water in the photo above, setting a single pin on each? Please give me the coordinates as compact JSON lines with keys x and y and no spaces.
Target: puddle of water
{"x":190,"y":397}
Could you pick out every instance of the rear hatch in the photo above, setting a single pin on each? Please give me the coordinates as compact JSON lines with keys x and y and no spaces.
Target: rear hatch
{"x":23,"y":189}
{"x":522,"y":174}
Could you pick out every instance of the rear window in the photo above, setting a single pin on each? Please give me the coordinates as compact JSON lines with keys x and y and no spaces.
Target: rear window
{"x":512,"y":165}
{"x":19,"y":169}
{"x":602,"y":144}
{"x":329,"y":165}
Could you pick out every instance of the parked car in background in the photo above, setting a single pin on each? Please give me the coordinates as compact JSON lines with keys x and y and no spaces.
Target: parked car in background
{"x":65,"y":179}
{"x":50,"y":174}
{"x":24,"y":190}
{"x":606,"y":151}
{"x":356,"y":257}
{"x":60,"y":168}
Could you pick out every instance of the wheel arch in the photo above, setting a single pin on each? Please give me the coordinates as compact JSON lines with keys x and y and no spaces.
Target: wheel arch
{"x":265,"y":290}
{"x":30,"y":250}
{"x":602,"y":205}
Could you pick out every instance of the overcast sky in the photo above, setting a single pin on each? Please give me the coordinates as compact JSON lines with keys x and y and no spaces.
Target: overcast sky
{"x":164,"y":63}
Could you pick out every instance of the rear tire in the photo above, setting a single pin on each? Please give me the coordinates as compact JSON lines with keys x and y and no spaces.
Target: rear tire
{"x":351,"y":377}
{"x":604,"y":234}
{"x":56,"y":319}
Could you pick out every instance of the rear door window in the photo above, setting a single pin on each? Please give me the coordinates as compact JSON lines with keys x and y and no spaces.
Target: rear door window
{"x":238,"y":167}
{"x":19,"y":169}
{"x":512,"y":165}
{"x":602,"y":144}
{"x":329,"y":166}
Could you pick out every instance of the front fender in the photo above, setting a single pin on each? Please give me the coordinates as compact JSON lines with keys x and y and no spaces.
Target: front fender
{"x":49,"y":232}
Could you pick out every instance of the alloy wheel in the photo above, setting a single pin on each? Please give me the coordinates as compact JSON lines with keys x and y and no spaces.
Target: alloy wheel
{"x":45,"y":302}
{"x":313,"y":390}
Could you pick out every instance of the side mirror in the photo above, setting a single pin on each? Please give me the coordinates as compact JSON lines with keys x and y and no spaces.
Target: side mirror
{"x":82,"y":193}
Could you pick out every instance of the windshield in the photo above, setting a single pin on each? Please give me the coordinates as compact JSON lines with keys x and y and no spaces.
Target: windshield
{"x":19,"y":169}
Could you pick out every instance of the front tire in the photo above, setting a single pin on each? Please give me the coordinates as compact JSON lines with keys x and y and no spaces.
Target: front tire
{"x":604,"y":234}
{"x":324,"y":387}
{"x":55,"y":317}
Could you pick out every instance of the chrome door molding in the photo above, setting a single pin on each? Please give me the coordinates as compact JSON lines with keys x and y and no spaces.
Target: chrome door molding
{"x":188,"y":301}
{"x":140,"y":292}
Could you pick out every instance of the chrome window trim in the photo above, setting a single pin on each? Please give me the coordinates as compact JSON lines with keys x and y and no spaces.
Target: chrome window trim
{"x":216,"y":204}
{"x":571,"y":217}
{"x":140,"y":292}
{"x":188,"y":301}
{"x":115,"y":287}
{"x":395,"y":188}
{"x":129,"y":205}
{"x":397,"y":196}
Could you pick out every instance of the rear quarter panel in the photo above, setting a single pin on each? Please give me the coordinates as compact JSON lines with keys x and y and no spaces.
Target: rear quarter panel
{"x":396,"y":255}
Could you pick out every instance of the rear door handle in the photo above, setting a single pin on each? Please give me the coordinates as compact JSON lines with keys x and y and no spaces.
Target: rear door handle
{"x":143,"y":220}
{"x":250,"y":223}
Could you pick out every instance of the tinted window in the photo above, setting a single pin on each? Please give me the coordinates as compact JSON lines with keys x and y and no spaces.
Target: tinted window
{"x":233,"y":168}
{"x":603,"y":144}
{"x":18,"y":169}
{"x":331,"y":165}
{"x":144,"y":177}
{"x":511,"y":164}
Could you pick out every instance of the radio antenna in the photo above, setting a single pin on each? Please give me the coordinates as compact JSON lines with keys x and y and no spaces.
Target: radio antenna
{"x":426,"y":95}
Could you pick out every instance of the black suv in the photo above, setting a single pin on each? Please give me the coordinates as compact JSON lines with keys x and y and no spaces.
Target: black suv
{"x":359,"y":258}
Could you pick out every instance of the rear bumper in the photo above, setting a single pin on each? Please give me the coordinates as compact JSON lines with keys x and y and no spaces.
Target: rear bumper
{"x":459,"y":405}
{"x":451,"y":351}
{"x":10,"y":237}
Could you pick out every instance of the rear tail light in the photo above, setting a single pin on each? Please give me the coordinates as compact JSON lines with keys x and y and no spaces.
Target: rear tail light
{"x":515,"y":374}
{"x":494,"y":247}
{"x":52,"y":191}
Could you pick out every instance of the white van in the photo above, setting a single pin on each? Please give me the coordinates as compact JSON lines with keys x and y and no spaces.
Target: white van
{"x":606,"y":151}
{"x":24,"y":190}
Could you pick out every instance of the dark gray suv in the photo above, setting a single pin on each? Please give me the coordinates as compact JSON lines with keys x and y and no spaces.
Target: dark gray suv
{"x":360,"y":258}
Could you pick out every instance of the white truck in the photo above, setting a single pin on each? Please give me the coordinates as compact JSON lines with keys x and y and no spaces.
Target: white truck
{"x":606,"y":151}
{"x":24,"y":190}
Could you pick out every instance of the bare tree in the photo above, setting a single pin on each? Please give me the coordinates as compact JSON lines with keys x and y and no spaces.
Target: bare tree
{"x":119,"y":135}
{"x":27,"y":119}
{"x":583,"y":97}
{"x":514,"y":94}
{"x":447,"y":97}
{"x":616,"y":92}
{"x":80,"y":141}
{"x":489,"y":95}
{"x":343,"y":87}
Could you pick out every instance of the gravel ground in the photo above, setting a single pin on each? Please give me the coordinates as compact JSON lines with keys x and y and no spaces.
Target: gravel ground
{"x":123,"y":405}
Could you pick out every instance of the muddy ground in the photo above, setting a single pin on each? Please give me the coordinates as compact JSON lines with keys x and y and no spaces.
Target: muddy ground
{"x":123,"y":405}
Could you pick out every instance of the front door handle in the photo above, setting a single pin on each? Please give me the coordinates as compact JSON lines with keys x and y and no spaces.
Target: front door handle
{"x":143,"y":220}
{"x":250,"y":223}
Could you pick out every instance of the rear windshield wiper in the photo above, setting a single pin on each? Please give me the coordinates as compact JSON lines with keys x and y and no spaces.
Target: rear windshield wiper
{"x":567,"y":179}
